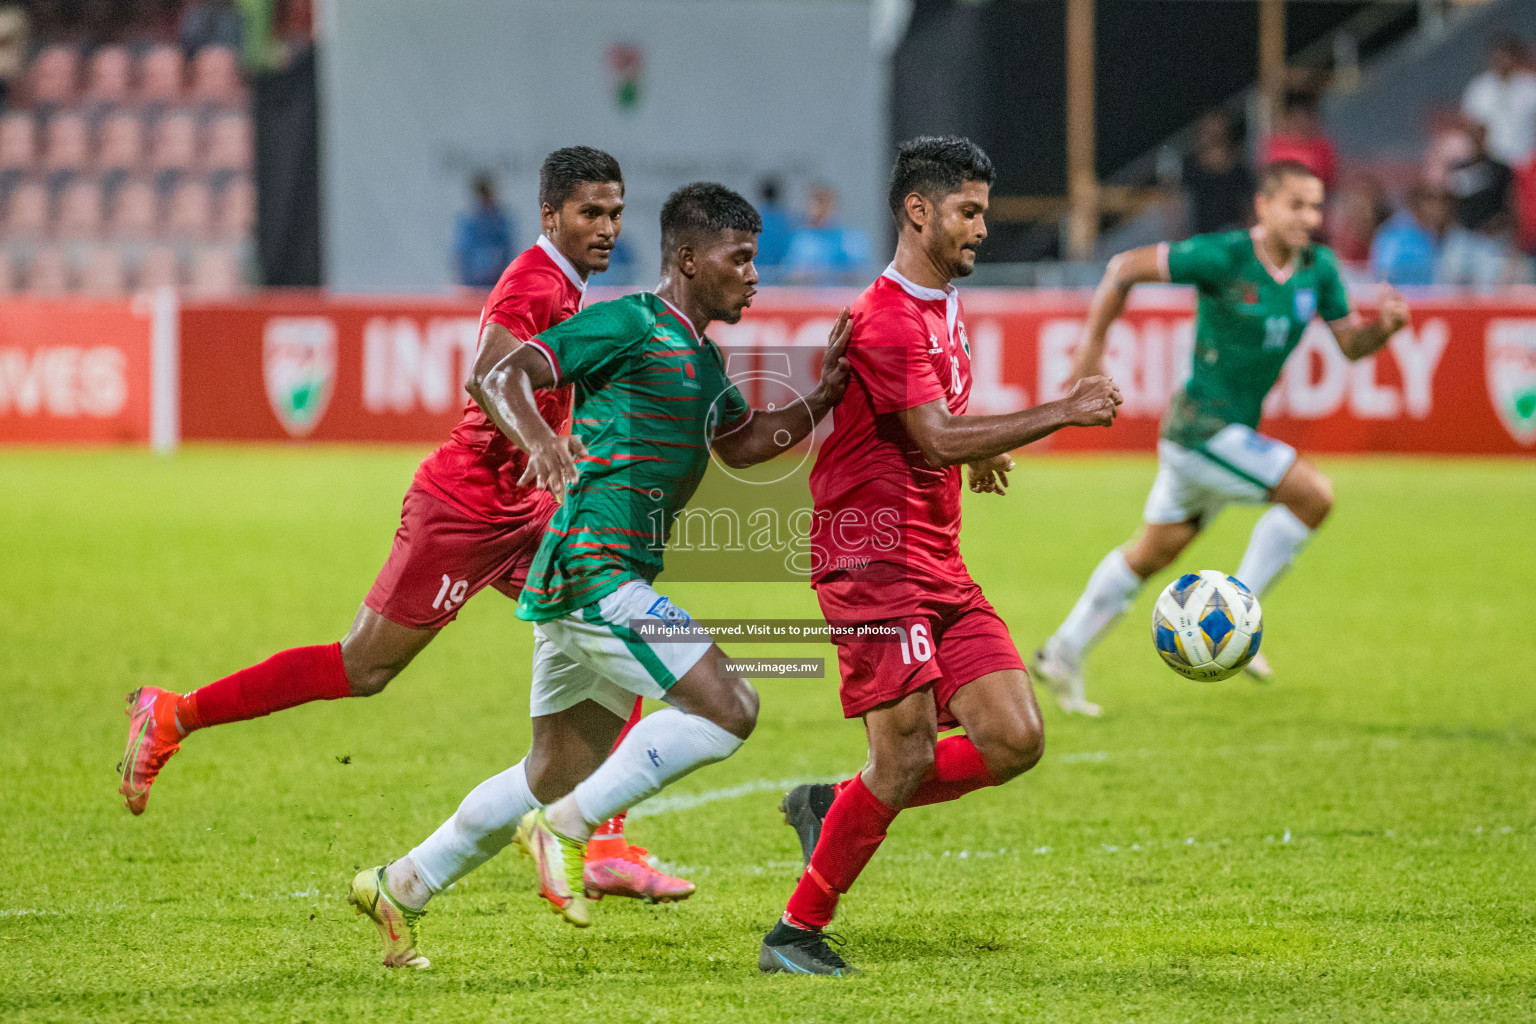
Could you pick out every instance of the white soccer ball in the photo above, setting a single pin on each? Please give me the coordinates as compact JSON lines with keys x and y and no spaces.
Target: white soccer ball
{"x":1207,"y":625}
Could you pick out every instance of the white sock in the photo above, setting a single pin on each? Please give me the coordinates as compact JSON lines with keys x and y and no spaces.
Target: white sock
{"x":484,"y":824}
{"x":663,"y":748}
{"x":1277,"y":538}
{"x":1111,"y":590}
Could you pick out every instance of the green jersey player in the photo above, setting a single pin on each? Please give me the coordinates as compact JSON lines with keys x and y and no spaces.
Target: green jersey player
{"x":1257,"y":291}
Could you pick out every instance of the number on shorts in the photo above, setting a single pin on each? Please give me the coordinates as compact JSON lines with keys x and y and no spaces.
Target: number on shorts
{"x":452,"y":593}
{"x":921,"y":646}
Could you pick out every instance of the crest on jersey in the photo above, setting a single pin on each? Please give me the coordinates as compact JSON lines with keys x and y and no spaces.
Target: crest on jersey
{"x":1306,"y":304}
{"x":298,"y":365}
{"x":1510,"y":355}
{"x":965,"y":342}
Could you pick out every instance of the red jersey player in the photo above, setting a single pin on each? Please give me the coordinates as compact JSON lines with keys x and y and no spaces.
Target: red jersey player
{"x":466,"y":523}
{"x":919,"y":648}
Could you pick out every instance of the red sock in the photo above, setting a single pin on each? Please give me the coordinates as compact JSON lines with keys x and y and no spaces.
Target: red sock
{"x":285,"y":680}
{"x":854,"y":829}
{"x":957,"y":770}
{"x":614,"y":826}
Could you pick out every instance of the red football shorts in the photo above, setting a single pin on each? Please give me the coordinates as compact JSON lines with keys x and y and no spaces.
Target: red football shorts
{"x":442,"y":556}
{"x":947,"y":636}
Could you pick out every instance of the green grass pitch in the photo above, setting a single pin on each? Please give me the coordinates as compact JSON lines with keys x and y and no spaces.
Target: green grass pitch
{"x":1356,"y":842}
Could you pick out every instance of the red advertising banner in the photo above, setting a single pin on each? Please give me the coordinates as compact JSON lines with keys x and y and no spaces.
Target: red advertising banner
{"x":307,"y":366}
{"x":75,"y":372}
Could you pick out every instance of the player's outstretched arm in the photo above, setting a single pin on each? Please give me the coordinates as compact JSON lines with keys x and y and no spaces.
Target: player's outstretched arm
{"x":947,"y":439}
{"x":1359,"y":338}
{"x":766,"y":434}
{"x":506,"y":394}
{"x":1125,"y":271}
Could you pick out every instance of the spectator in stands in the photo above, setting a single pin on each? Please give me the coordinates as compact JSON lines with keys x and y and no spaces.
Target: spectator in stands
{"x":1482,"y":260}
{"x":822,"y":250}
{"x":1215,"y":178}
{"x":1408,"y":246}
{"x":778,"y":225}
{"x":1299,"y":136}
{"x":1504,"y":99}
{"x":1481,"y":185}
{"x":1363,"y":207}
{"x":211,"y":23}
{"x":483,"y":242}
{"x":13,"y":47}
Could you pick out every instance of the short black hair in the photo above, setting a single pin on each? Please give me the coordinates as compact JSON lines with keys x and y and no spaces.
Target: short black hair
{"x":1276,"y":171}
{"x":705,"y":208}
{"x":935,"y":166}
{"x":566,"y":170}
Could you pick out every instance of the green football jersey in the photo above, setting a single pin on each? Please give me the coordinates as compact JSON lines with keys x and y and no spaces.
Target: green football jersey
{"x":1246,"y":324}
{"x":650,"y":395}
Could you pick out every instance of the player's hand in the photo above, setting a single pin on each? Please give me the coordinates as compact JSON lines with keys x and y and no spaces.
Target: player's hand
{"x":835,"y":367}
{"x":551,"y":465}
{"x":990,"y":476}
{"x":575,"y":446}
{"x":1093,"y":402}
{"x":1394,"y":313}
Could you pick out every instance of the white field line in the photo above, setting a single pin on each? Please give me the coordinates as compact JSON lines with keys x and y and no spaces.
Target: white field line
{"x":669,"y":804}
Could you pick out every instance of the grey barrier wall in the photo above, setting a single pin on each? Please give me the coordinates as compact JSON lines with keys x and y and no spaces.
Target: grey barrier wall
{"x":417,"y":97}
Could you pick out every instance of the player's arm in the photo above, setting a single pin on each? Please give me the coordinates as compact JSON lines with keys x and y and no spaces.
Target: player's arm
{"x":1125,"y":271}
{"x":505,"y":392}
{"x":947,"y":440}
{"x":763,"y":434}
{"x":1358,"y":337}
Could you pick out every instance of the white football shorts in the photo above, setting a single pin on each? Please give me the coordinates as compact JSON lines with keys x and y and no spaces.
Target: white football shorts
{"x":632,"y":642}
{"x":1237,"y":466}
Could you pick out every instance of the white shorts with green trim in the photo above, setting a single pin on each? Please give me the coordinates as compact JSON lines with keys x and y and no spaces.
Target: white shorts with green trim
{"x":1239,"y":465}
{"x":632,"y":642}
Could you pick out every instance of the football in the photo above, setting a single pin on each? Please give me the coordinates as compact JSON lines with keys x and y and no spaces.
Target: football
{"x":1207,"y":625}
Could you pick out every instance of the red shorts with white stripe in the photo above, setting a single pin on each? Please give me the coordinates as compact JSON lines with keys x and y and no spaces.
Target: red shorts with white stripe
{"x":442,"y":556}
{"x":947,"y":636}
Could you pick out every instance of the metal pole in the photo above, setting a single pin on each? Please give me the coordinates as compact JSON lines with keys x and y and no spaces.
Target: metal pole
{"x":1082,"y":182}
{"x":1271,"y":63}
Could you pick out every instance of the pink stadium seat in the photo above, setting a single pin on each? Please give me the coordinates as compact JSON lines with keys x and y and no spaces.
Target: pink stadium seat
{"x":216,"y":271}
{"x":26,"y":215}
{"x":49,"y":274}
{"x":190,"y":210}
{"x":237,"y":210}
{"x":107,"y":75}
{"x":66,"y":142}
{"x":121,"y":145}
{"x":230,"y":145}
{"x":161,"y":70}
{"x":160,"y":268}
{"x":216,"y":77}
{"x":174,"y":142}
{"x":18,"y":142}
{"x":135,"y":210}
{"x":102,"y":273}
{"x":53,"y":73}
{"x":80,"y":210}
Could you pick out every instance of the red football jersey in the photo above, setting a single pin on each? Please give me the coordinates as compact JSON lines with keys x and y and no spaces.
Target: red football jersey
{"x":477,"y":469}
{"x":877,"y":498}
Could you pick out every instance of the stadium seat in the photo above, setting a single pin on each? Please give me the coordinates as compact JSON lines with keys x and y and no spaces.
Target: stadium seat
{"x":135,"y":210}
{"x":18,"y":142}
{"x":229,"y":143}
{"x":80,"y":209}
{"x":159,"y":268}
{"x":102,"y":274}
{"x":66,"y":142}
{"x":216,"y":77}
{"x":53,"y":74}
{"x":216,"y":271}
{"x":48,"y":274}
{"x":237,"y":210}
{"x":161,"y":70}
{"x":189,"y":213}
{"x":121,"y":144}
{"x":26,"y":214}
{"x":173,"y":145}
{"x":107,"y":75}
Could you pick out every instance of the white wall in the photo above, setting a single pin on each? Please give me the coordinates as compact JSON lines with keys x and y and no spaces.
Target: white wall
{"x":416,"y":96}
